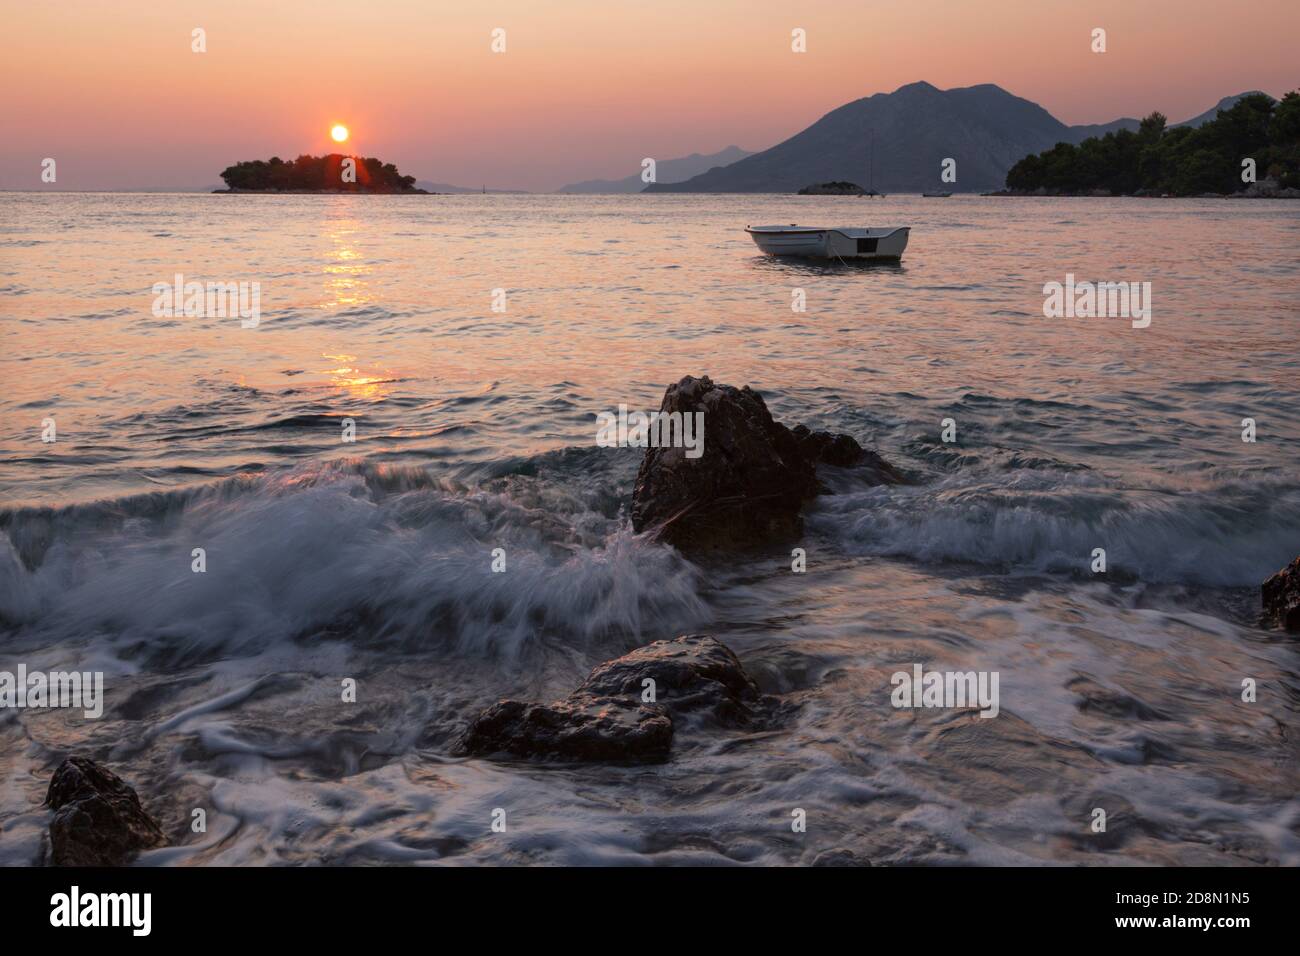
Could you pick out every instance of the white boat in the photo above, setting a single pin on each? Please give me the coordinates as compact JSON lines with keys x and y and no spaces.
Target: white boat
{"x":819,"y":242}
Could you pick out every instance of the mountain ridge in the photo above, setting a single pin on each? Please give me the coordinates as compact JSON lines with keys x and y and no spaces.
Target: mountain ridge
{"x":984,"y":128}
{"x":667,"y":171}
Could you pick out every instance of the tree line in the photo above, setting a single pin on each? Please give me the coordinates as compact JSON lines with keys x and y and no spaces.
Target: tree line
{"x":317,"y":173}
{"x":1182,"y":161}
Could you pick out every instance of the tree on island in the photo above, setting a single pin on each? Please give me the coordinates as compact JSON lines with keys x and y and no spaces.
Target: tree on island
{"x":317,"y":174}
{"x":1183,"y":161}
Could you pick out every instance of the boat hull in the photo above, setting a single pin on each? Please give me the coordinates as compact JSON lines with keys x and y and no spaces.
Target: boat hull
{"x":812,"y":243}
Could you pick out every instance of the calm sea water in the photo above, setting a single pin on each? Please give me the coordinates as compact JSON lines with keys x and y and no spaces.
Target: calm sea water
{"x":476,"y":429}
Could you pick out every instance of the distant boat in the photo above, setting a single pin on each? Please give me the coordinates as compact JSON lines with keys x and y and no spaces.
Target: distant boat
{"x":839,"y":242}
{"x":936,"y":195}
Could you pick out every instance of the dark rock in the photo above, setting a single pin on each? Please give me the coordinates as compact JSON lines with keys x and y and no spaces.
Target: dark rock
{"x":840,"y":450}
{"x":843,"y":451}
{"x":580,"y":727}
{"x":692,"y":672}
{"x":752,"y":478}
{"x":606,"y":719}
{"x":837,"y":188}
{"x":98,"y":819}
{"x":747,"y":486}
{"x":1281,"y":597}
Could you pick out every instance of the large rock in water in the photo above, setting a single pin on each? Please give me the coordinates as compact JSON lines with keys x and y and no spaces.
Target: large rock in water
{"x":750,"y":481}
{"x":1281,"y":597}
{"x":98,"y":819}
{"x":606,"y":718}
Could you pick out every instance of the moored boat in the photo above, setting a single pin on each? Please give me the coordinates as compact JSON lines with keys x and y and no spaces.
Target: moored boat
{"x":839,"y":242}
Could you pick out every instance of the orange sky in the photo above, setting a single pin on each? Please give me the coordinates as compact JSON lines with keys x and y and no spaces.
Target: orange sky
{"x":586,"y":88}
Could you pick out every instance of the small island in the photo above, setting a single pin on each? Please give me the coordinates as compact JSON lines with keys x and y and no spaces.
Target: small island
{"x":836,"y":188}
{"x":318,"y":174}
{"x":1208,"y":160}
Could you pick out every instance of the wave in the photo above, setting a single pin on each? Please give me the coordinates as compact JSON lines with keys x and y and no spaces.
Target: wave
{"x":1228,"y":533}
{"x":352,"y":550}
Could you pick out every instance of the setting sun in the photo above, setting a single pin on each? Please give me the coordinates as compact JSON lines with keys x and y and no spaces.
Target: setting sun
{"x":339,"y":133}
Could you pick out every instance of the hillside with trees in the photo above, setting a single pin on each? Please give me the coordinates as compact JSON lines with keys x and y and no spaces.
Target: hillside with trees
{"x":1180,"y":161}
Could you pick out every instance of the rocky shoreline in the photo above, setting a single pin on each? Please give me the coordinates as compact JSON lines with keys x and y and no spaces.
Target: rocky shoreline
{"x":1264,"y":189}
{"x":749,"y":487}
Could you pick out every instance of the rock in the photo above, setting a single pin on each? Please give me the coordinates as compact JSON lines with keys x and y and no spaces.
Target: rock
{"x":692,"y":672}
{"x":751,"y":479}
{"x":843,"y":451}
{"x":1281,"y":598}
{"x":840,"y":450}
{"x":748,"y":485}
{"x":98,"y":819}
{"x":836,"y":188}
{"x":580,"y":727}
{"x":1268,"y":188}
{"x":606,"y":719}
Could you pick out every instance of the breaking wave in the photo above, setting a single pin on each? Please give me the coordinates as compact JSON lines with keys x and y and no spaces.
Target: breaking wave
{"x":1227,"y":533}
{"x":347,"y":550}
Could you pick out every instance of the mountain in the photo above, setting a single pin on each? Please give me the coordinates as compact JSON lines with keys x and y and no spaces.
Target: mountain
{"x":668,"y":171}
{"x":1227,"y":103}
{"x":447,"y":188}
{"x":984,"y":128}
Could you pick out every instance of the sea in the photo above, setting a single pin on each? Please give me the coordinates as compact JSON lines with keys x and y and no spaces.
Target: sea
{"x":275,"y":534}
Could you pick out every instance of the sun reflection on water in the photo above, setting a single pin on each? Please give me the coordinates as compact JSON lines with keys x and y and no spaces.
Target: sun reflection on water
{"x":346,"y":284}
{"x":354,"y":380}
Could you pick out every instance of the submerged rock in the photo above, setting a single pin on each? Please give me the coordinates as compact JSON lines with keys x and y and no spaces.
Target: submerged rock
{"x":1281,"y":598}
{"x":606,"y":718}
{"x":751,"y":479}
{"x":690,"y":673}
{"x":98,"y":819}
{"x":580,"y":727}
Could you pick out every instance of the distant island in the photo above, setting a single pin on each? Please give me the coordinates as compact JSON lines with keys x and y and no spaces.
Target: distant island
{"x":317,"y":174}
{"x":1182,"y":161}
{"x":835,"y":188}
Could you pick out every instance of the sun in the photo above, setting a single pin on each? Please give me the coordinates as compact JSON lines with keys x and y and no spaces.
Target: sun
{"x":339,"y":134}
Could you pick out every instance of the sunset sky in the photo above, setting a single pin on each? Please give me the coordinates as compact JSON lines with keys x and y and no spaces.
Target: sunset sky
{"x":585,"y":89}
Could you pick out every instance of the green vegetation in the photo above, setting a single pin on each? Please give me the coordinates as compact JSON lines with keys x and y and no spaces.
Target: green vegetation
{"x":1180,"y":161}
{"x":317,"y":174}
